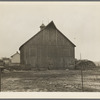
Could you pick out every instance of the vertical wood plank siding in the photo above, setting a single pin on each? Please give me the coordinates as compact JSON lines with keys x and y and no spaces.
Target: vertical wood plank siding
{"x":48,"y":49}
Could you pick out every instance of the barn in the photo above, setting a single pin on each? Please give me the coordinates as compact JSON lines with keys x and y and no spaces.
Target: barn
{"x":48,"y":49}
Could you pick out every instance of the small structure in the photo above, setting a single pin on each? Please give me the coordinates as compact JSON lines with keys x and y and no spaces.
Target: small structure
{"x":1,"y":62}
{"x":1,"y":65}
{"x":6,"y":61}
{"x":15,"y":59}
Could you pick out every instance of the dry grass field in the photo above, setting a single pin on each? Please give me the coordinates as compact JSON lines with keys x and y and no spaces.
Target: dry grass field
{"x":51,"y":81}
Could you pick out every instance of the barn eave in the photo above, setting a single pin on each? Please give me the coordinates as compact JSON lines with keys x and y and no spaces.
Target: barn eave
{"x":67,"y":38}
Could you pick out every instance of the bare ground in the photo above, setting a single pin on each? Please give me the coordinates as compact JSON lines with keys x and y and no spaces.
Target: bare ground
{"x":51,"y":81}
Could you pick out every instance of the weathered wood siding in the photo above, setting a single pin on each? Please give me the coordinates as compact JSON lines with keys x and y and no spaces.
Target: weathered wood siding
{"x":48,"y":49}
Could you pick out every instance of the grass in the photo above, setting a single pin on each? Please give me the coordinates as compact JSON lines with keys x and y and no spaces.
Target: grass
{"x":51,"y":81}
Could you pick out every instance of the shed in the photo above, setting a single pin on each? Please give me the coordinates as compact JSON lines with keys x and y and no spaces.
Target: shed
{"x":6,"y":61}
{"x":15,"y":58}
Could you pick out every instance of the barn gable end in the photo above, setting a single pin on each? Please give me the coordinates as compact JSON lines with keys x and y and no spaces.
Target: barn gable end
{"x":49,"y":48}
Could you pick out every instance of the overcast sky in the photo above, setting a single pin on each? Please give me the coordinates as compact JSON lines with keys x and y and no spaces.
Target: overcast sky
{"x":79,"y":21}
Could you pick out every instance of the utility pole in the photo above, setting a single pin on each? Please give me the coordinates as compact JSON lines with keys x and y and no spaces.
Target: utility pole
{"x":81,"y":74}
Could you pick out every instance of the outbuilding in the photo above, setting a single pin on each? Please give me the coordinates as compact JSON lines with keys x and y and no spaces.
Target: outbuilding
{"x":15,"y":58}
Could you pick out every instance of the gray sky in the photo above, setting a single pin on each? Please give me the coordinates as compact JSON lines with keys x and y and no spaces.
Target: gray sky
{"x":79,"y":21}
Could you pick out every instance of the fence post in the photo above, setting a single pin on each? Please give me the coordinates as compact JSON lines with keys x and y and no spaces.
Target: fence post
{"x":82,"y":77}
{"x":0,"y":79}
{"x":81,"y":73}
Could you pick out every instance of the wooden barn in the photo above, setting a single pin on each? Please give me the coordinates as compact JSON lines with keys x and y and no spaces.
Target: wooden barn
{"x":48,"y":49}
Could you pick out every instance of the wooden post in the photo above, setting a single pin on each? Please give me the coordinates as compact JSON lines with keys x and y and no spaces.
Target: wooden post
{"x":82,"y":77}
{"x":81,"y":74}
{"x":0,"y":79}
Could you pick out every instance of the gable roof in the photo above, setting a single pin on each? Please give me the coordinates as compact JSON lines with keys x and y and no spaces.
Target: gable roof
{"x":50,"y":24}
{"x":14,"y":54}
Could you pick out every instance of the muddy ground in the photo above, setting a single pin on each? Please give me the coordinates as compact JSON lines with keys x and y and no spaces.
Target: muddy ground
{"x":51,"y":81}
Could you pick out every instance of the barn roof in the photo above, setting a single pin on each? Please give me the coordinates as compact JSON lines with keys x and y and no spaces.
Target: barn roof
{"x":15,"y":54}
{"x":50,"y":24}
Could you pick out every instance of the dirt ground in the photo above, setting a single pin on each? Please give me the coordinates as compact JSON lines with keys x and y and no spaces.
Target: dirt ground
{"x":51,"y":81}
